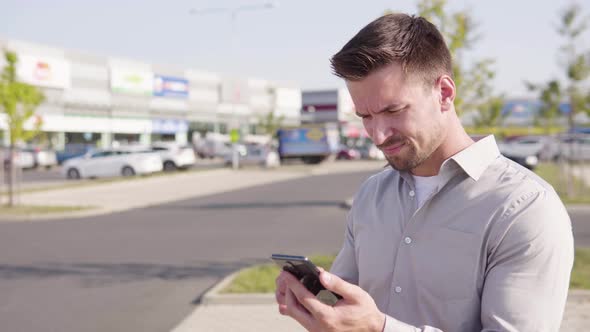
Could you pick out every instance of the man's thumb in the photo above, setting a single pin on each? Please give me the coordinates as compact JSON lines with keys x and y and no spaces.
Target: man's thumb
{"x":335,"y":284}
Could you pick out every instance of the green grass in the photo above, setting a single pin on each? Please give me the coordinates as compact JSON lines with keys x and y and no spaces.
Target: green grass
{"x":23,"y":210}
{"x":501,"y":132}
{"x":581,"y":272}
{"x":261,"y":278}
{"x":552,"y":174}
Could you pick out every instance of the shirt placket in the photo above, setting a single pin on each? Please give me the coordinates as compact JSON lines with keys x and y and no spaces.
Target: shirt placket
{"x":408,"y":192}
{"x":400,"y":276}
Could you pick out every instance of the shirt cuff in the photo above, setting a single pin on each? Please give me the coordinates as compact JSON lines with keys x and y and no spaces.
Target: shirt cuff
{"x":394,"y":325}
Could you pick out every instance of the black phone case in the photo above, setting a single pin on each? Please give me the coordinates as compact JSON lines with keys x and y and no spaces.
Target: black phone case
{"x":304,"y":270}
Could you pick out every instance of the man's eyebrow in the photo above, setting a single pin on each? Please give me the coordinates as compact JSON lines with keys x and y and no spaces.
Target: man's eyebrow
{"x":384,"y":109}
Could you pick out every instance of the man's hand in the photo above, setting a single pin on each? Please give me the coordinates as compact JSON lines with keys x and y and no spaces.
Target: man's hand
{"x":356,"y":311}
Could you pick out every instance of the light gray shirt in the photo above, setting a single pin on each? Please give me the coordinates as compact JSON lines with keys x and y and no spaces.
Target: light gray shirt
{"x":491,"y":249}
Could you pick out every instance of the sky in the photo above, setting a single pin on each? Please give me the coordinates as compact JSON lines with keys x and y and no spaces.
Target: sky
{"x":291,"y":42}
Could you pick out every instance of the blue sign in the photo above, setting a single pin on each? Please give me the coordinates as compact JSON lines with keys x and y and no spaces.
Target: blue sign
{"x":166,"y":86}
{"x":169,"y":126}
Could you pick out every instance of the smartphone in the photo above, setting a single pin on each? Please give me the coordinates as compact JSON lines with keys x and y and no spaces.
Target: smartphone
{"x":309,"y":275}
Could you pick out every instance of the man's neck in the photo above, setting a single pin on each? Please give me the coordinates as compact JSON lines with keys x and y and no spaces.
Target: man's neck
{"x":456,"y":141}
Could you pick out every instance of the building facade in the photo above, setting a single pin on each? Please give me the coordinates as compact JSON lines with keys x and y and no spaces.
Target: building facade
{"x":101,"y":100}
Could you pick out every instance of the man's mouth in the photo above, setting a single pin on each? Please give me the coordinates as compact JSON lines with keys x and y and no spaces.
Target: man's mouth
{"x":392,"y":149}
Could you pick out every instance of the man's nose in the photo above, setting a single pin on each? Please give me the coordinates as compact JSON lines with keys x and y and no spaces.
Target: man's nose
{"x":380,"y":132}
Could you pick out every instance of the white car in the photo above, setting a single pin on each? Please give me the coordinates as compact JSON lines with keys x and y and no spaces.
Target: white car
{"x":22,"y":158}
{"x":542,"y":147}
{"x":174,"y":156}
{"x":254,"y":154}
{"x":105,"y":163}
{"x":43,"y":157}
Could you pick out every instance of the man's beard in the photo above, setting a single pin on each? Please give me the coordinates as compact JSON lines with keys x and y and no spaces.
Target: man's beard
{"x":410,"y":159}
{"x":413,"y":159}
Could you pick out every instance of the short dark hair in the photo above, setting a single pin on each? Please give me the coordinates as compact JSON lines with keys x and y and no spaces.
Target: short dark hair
{"x":411,"y":41}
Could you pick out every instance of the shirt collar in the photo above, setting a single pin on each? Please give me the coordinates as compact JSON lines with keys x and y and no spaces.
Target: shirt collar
{"x":476,"y":158}
{"x":473,"y":160}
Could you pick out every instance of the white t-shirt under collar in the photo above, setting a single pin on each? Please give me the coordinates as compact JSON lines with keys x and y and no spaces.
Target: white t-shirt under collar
{"x":425,"y":185}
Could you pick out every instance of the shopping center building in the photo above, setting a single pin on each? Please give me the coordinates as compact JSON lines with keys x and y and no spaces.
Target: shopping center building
{"x":100,"y":100}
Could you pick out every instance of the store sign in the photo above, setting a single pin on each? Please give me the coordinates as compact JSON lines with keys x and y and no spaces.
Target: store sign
{"x":132,"y":81}
{"x":169,"y":126}
{"x":44,"y":71}
{"x":166,"y":86}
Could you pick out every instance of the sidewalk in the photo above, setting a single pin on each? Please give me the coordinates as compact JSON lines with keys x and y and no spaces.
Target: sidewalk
{"x":259,"y":313}
{"x":266,"y":317}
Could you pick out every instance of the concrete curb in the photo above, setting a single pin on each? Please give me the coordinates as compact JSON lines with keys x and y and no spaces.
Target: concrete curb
{"x":579,"y":295}
{"x":57,"y":215}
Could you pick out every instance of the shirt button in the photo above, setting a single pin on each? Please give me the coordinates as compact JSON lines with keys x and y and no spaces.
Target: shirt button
{"x":412,"y":193}
{"x":398,"y":289}
{"x":408,"y":240}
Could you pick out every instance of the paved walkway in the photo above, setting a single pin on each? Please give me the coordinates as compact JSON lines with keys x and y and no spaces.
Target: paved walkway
{"x":266,"y":317}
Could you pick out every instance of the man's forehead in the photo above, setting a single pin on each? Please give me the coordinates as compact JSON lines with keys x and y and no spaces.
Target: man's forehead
{"x":373,"y":100}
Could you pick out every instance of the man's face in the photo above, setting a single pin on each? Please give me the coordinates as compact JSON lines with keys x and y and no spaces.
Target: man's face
{"x":401,"y":115}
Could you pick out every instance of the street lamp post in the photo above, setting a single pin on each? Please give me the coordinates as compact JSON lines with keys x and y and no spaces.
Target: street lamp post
{"x":233,"y":12}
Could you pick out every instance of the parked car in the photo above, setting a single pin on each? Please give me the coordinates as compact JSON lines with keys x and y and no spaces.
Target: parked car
{"x":371,"y":152}
{"x":214,"y":145}
{"x":105,"y":163}
{"x":43,"y":157}
{"x":254,"y":154}
{"x":574,"y":147}
{"x":73,"y":150}
{"x":22,"y":158}
{"x":528,"y":161}
{"x":543,"y":147}
{"x":348,"y":153}
{"x":174,"y":156}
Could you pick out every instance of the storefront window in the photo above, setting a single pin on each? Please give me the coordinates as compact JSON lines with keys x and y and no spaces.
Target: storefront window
{"x":82,"y":138}
{"x":125,"y":139}
{"x":163,"y":137}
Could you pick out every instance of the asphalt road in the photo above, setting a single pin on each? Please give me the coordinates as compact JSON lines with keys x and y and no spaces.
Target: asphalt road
{"x":143,"y":270}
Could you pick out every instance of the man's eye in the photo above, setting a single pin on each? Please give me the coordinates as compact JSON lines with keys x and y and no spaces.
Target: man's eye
{"x":396,"y":110}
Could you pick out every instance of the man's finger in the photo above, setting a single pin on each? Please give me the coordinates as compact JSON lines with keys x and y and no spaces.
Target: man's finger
{"x":280,"y":297}
{"x":280,"y":282}
{"x":297,"y":311}
{"x":335,"y":284}
{"x":306,"y":298}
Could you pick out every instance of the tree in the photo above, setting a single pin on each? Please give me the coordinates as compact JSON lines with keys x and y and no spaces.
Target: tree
{"x":490,"y":113}
{"x":551,"y":95}
{"x":270,"y":123}
{"x":575,"y":63}
{"x":18,"y":100}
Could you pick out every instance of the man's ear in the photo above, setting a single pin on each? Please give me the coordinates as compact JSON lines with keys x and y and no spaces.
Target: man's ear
{"x":447,"y":92}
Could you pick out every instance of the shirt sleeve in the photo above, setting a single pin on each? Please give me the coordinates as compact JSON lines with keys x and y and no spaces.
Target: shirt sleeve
{"x":529,"y":265}
{"x":345,"y":265}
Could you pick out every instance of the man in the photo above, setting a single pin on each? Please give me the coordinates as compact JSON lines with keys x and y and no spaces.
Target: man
{"x":454,"y":237}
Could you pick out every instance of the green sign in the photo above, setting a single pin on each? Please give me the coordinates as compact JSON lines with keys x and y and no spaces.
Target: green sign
{"x":234,"y":135}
